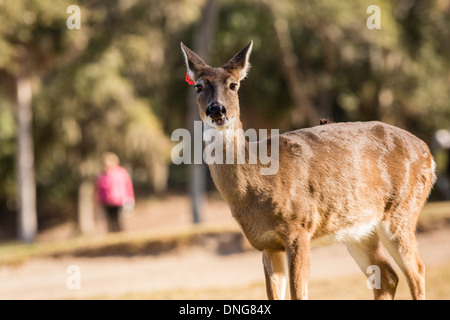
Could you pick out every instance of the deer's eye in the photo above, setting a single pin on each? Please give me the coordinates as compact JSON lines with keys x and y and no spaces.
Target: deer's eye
{"x":198,"y":88}
{"x":233,"y":86}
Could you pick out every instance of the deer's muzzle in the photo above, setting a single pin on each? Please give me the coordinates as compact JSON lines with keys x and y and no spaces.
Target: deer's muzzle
{"x":215,"y":110}
{"x":217,"y":113}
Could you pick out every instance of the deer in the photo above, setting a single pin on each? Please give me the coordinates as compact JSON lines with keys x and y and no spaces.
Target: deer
{"x":362,"y":184}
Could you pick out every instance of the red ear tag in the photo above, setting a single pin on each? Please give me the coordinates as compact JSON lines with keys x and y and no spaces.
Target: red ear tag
{"x":188,"y":79}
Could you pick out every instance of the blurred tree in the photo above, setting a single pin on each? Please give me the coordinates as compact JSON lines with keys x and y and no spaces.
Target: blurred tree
{"x":203,"y":36}
{"x":306,"y":113}
{"x":30,"y":30}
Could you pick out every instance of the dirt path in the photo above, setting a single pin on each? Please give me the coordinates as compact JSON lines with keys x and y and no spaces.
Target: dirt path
{"x":190,"y":268}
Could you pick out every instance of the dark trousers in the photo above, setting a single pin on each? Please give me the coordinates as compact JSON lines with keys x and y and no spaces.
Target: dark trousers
{"x":114,"y":218}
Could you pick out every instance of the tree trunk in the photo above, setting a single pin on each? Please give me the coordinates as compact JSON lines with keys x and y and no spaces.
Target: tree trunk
{"x":203,"y":35}
{"x":86,"y":216}
{"x":27,"y":217}
{"x":305,"y":113}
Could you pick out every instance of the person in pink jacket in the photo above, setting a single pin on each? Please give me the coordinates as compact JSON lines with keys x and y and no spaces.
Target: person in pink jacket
{"x":115,"y":191}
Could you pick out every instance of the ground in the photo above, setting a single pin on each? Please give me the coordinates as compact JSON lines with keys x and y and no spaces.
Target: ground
{"x":198,"y":270}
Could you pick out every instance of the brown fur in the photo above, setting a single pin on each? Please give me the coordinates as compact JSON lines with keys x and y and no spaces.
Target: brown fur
{"x":358,"y":183}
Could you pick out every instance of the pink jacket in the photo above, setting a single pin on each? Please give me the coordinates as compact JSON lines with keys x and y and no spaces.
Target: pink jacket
{"x":115,"y":188}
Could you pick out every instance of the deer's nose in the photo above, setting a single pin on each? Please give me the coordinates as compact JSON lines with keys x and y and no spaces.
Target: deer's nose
{"x":215,"y":110}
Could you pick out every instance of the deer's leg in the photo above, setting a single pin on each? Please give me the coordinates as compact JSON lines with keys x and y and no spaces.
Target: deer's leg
{"x":298,"y":248}
{"x":368,"y":253}
{"x":275,"y":272}
{"x":403,"y":248}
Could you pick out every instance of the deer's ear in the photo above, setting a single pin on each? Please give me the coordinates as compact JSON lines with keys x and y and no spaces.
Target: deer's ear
{"x":193,"y":62}
{"x":239,"y":64}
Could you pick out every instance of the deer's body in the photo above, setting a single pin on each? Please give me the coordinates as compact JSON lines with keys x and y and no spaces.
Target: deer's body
{"x":336,"y":199}
{"x":357,"y":183}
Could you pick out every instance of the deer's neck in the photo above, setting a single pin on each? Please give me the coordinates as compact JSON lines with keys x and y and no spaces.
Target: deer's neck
{"x":232,"y":173}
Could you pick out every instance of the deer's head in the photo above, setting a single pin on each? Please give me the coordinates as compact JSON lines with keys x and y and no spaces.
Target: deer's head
{"x":217,"y":88}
